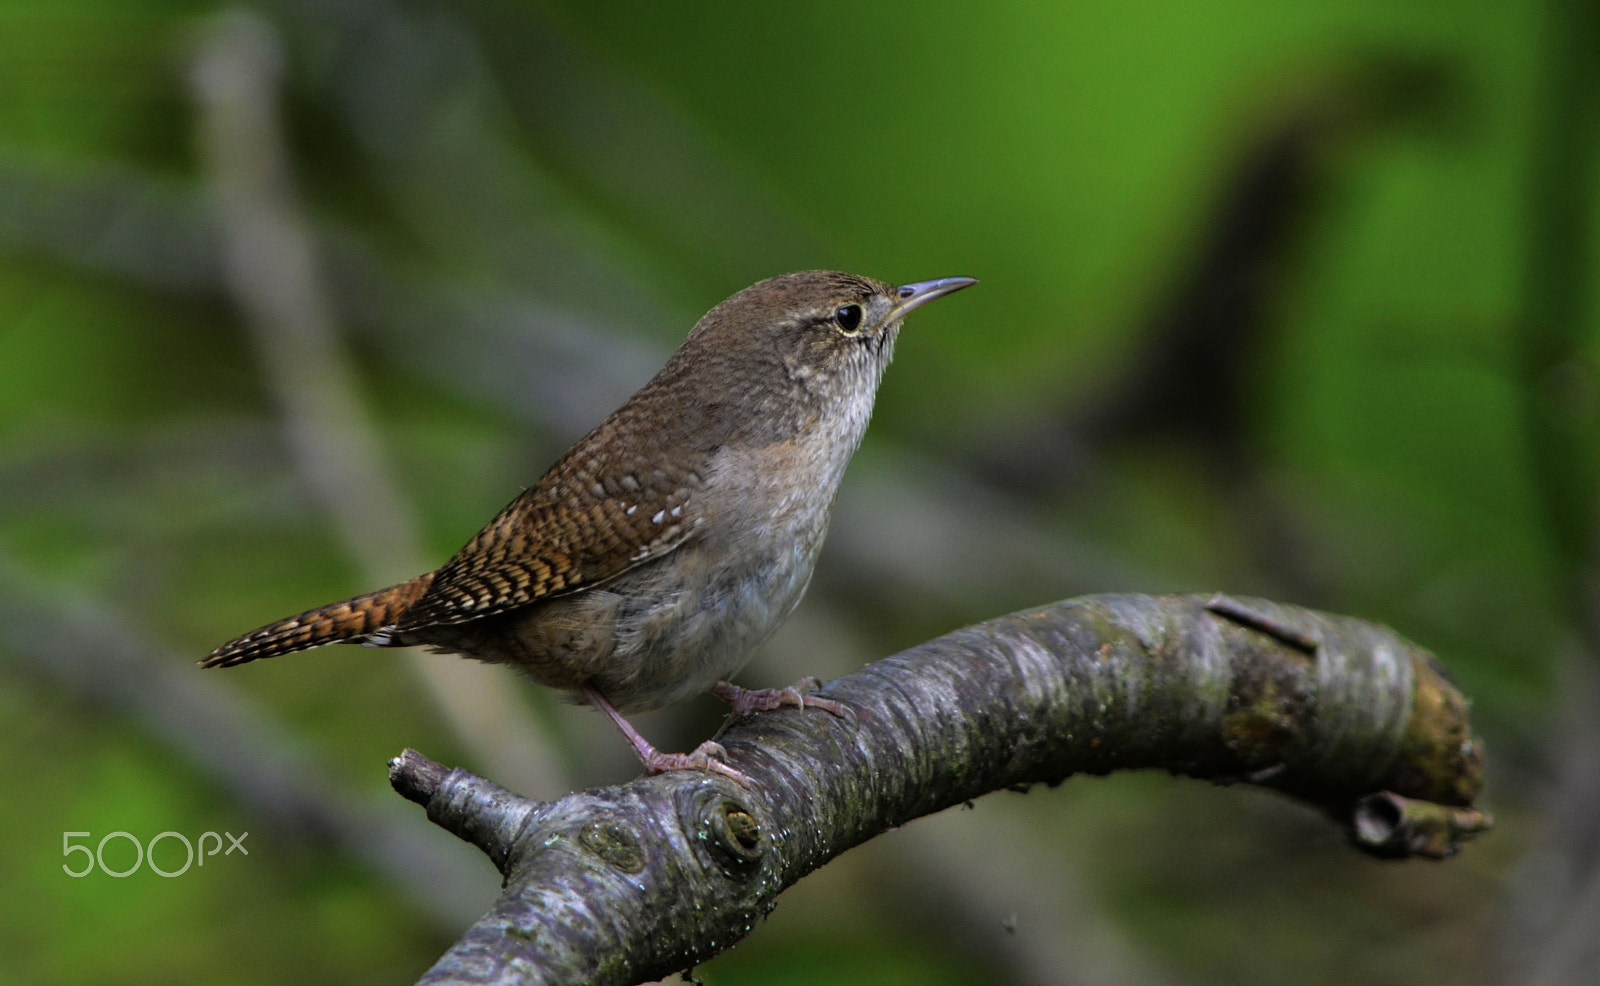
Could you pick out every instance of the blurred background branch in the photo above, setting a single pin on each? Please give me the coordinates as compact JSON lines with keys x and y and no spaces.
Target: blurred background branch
{"x":272,"y":269}
{"x":100,"y":658}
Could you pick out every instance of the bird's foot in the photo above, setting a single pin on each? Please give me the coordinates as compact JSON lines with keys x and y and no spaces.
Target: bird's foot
{"x":708,"y":756}
{"x":745,"y":700}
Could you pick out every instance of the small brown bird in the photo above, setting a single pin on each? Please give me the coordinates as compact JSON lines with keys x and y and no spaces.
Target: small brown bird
{"x":670,"y":541}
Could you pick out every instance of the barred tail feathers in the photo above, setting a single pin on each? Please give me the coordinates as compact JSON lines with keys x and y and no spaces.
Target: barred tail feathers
{"x":349,"y":620}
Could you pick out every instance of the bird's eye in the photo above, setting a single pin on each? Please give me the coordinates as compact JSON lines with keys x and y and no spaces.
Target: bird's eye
{"x":848,"y":318}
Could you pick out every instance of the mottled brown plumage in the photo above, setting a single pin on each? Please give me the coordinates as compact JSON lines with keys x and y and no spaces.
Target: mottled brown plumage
{"x":652,"y":558}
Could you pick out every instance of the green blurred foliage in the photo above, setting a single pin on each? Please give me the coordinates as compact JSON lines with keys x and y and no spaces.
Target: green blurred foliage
{"x":621,"y":166}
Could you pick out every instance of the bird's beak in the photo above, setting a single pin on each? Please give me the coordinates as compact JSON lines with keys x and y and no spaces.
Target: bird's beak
{"x":921,"y":292}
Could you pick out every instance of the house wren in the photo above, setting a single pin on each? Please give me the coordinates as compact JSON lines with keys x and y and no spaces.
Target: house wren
{"x":670,"y":541}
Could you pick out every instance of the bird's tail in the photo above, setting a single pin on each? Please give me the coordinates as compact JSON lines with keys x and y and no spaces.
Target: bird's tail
{"x":349,"y":621}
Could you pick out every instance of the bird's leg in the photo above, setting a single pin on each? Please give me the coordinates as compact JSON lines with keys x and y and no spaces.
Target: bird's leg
{"x":746,"y":700}
{"x":707,"y":756}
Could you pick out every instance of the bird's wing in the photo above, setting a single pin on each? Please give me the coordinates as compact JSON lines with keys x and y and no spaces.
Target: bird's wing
{"x":578,"y":528}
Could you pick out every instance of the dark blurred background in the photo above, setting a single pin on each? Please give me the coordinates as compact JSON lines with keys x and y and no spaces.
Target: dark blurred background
{"x":1277,"y":298}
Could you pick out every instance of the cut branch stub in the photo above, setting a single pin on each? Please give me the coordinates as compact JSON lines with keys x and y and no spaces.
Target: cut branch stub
{"x":634,"y":882}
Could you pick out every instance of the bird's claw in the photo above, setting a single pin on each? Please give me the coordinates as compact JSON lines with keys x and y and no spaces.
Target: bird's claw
{"x":708,"y":756}
{"x":747,"y":700}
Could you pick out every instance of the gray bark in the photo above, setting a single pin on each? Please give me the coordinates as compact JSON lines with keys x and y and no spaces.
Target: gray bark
{"x":631,"y":883}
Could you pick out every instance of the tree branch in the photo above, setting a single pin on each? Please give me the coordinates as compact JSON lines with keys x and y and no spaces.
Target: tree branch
{"x":629,"y":883}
